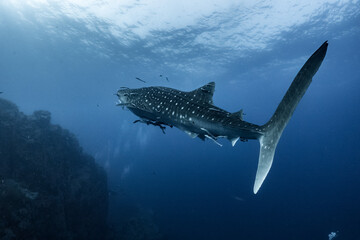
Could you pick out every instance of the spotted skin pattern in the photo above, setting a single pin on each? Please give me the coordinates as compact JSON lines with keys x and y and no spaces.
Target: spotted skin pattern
{"x":194,"y":113}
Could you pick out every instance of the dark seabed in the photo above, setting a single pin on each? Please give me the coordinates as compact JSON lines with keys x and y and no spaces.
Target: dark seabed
{"x":83,"y":165}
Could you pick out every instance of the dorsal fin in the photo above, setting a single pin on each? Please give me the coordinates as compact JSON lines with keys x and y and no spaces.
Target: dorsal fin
{"x":205,"y":93}
{"x":239,"y":114}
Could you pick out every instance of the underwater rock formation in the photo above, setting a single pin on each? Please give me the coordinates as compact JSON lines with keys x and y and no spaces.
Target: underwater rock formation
{"x":49,"y":189}
{"x":135,"y":223}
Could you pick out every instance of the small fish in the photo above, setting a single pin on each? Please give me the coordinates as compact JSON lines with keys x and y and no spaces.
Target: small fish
{"x":237,"y":198}
{"x":1,"y":92}
{"x":167,"y":79}
{"x":140,"y":79}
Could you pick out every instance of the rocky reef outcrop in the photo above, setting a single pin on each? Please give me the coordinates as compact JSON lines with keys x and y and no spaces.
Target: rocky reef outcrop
{"x":49,"y":188}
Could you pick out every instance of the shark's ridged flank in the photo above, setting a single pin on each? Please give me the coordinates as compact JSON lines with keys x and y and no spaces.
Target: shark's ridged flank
{"x":194,"y":113}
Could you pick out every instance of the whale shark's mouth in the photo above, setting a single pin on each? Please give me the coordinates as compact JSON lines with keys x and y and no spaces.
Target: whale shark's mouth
{"x":122,"y":102}
{"x":126,"y":97}
{"x":123,"y":97}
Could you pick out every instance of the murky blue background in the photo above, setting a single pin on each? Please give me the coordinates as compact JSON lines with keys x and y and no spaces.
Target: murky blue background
{"x":70,"y":57}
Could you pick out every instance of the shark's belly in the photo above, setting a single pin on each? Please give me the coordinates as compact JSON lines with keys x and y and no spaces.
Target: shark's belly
{"x":215,"y":124}
{"x":220,"y":128}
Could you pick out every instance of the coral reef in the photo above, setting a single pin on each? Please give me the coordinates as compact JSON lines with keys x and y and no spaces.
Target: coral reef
{"x":49,"y":189}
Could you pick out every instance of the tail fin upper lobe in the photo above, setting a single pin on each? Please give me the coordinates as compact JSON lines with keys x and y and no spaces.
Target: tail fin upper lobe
{"x":275,"y":126}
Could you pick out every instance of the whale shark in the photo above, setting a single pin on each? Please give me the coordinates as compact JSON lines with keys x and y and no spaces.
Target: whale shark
{"x":195,"y":113}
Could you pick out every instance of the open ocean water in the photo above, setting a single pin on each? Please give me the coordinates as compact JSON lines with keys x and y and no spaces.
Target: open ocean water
{"x":69,"y":57}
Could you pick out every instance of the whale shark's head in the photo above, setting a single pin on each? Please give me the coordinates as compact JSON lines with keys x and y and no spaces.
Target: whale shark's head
{"x":123,"y":95}
{"x":140,"y":101}
{"x":128,"y":96}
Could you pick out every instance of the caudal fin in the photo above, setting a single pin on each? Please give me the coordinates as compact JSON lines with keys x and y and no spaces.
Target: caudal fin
{"x":275,"y":126}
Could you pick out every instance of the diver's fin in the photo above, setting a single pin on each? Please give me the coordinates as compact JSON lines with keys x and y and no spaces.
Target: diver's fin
{"x":275,"y":126}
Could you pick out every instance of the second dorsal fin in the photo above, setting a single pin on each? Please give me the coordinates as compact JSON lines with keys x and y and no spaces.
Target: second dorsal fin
{"x":239,"y":114}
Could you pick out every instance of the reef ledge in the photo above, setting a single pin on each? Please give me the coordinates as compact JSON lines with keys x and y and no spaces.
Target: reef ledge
{"x":49,"y":188}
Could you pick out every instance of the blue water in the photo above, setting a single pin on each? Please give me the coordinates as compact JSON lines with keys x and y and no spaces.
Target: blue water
{"x":70,"y":58}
